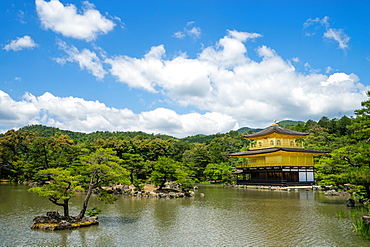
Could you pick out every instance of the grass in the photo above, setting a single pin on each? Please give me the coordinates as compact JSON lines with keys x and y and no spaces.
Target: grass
{"x":340,"y":214}
{"x":361,"y":228}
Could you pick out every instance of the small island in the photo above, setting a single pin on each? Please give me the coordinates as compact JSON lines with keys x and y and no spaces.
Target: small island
{"x":54,"y":221}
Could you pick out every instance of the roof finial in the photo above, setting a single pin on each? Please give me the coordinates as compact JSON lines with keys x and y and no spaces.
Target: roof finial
{"x":275,"y":123}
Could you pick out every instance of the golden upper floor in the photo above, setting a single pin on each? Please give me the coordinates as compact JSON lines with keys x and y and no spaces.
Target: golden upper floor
{"x":275,"y":136}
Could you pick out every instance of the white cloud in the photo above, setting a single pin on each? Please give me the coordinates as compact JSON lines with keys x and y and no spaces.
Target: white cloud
{"x":86,"y":59}
{"x":189,"y":30}
{"x":234,"y":89}
{"x":337,"y":35}
{"x":21,"y":16}
{"x":77,"y":114}
{"x":179,"y":35}
{"x":20,"y":43}
{"x":316,"y":21}
{"x":296,"y":59}
{"x":223,"y":79}
{"x":328,"y":69}
{"x":15,"y":113}
{"x":66,"y":20}
{"x":181,"y":77}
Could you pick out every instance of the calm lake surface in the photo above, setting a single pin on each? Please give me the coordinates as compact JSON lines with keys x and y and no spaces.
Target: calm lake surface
{"x":223,"y":217}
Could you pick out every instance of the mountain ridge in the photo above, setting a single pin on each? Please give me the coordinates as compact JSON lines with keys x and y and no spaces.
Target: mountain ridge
{"x":47,"y":131}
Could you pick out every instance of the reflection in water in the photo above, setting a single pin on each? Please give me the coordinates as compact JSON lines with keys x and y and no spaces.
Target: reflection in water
{"x":224,"y":217}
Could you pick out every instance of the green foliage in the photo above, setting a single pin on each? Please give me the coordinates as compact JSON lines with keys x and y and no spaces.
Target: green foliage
{"x":201,"y":158}
{"x":49,"y":152}
{"x":353,"y":213}
{"x":222,"y":145}
{"x":99,"y":169}
{"x":361,"y":228}
{"x":349,"y":162}
{"x":289,"y":123}
{"x":197,"y":138}
{"x":136,"y":167}
{"x":340,"y":213}
{"x":93,"y":211}
{"x":13,"y":147}
{"x":197,"y":158}
{"x":61,"y":187}
{"x":43,"y":131}
{"x":103,"y":167}
{"x":221,"y":173}
{"x":168,"y":170}
{"x":361,"y":124}
{"x":62,"y":184}
{"x":22,"y":154}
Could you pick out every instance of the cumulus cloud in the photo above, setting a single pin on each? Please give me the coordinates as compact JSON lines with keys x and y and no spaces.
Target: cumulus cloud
{"x":77,"y":114}
{"x":311,"y":26}
{"x":66,"y":20}
{"x":86,"y":59}
{"x":25,"y":42}
{"x":189,"y":30}
{"x":181,"y":77}
{"x":15,"y":113}
{"x":224,"y":81}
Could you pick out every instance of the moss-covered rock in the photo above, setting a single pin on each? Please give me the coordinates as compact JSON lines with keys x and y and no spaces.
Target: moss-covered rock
{"x":53,"y":221}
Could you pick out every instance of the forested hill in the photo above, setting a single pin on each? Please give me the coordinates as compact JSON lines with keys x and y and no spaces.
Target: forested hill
{"x":45,"y":131}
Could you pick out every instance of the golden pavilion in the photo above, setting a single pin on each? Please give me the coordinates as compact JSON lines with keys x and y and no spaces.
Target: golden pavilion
{"x":276,"y":158}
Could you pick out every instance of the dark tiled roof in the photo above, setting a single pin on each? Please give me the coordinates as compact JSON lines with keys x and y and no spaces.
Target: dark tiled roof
{"x":275,"y":149}
{"x":277,"y":129}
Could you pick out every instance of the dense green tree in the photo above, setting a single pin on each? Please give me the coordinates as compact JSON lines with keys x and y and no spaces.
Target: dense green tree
{"x":119,"y":145}
{"x":197,"y":158}
{"x":157,"y":148}
{"x":60,"y":188}
{"x":219,"y":172}
{"x":324,"y":122}
{"x":168,"y":170}
{"x":43,"y":131}
{"x":177,"y":149}
{"x":13,"y":147}
{"x":320,"y":139}
{"x":361,"y":123}
{"x":99,"y":169}
{"x":223,"y":144}
{"x":342,"y":126}
{"x":332,"y":169}
{"x":136,"y":166}
{"x":49,"y":152}
{"x":350,"y":163}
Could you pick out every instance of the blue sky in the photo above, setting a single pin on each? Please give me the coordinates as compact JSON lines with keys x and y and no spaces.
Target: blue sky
{"x":180,"y":67}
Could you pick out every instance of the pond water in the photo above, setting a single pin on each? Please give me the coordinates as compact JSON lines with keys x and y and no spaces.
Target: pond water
{"x":223,"y":217}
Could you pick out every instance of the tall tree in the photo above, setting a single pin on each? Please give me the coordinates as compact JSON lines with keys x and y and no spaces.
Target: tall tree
{"x":61,"y":187}
{"x":13,"y":147}
{"x":50,"y":152}
{"x":351,"y":162}
{"x":100,"y":169}
{"x":168,"y":170}
{"x":135,"y":165}
{"x":219,"y":172}
{"x":361,"y":123}
{"x":197,"y":158}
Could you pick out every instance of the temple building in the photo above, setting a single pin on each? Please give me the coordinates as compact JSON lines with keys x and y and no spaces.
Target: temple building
{"x":276,"y":158}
